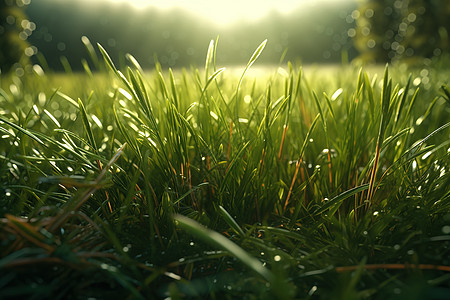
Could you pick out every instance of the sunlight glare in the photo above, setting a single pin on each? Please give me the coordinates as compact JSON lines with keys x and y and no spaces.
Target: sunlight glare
{"x":222,"y":12}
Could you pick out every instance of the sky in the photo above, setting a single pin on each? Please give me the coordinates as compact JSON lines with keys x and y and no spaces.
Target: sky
{"x":224,"y":12}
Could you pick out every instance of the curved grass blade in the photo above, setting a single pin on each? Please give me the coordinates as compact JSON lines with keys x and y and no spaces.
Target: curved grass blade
{"x":209,"y":57}
{"x":91,"y":51}
{"x":67,"y":98}
{"x":299,"y":160}
{"x":232,"y":164}
{"x":230,"y":221}
{"x":23,"y":130}
{"x":213,"y":77}
{"x":446,"y":91}
{"x":134,"y":62}
{"x":404,"y":96}
{"x":254,"y":57}
{"x":334,"y":203}
{"x":218,"y":240}
{"x":87,"y":125}
{"x":107,"y":58}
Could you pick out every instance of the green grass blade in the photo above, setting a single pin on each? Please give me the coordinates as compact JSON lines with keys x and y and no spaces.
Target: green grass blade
{"x":87,"y":125}
{"x":209,"y":58}
{"x":218,"y":240}
{"x":252,"y":60}
{"x":446,"y":91}
{"x":23,"y":130}
{"x":213,"y":77}
{"x":322,"y":116}
{"x":333,"y":204}
{"x":91,"y":51}
{"x":230,"y":221}
{"x":403,"y":100}
{"x":107,"y":58}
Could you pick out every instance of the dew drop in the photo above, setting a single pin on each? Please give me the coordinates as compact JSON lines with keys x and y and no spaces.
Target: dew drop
{"x":426,"y":155}
{"x":446,"y":229}
{"x":312,"y":290}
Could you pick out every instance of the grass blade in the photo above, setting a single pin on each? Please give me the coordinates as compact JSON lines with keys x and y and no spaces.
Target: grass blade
{"x":23,"y":130}
{"x":215,"y":239}
{"x":87,"y":125}
{"x":230,"y":221}
{"x":252,"y":60}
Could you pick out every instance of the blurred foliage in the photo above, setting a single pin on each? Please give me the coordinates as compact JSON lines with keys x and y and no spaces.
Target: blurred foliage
{"x":313,"y":32}
{"x":402,"y":30}
{"x":15,"y":29}
{"x":322,"y":31}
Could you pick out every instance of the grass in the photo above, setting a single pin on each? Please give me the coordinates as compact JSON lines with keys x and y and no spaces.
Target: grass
{"x":200,"y":184}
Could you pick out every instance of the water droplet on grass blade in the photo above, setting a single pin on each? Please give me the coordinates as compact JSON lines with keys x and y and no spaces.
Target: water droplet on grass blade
{"x":446,"y":229}
{"x":336,"y":94}
{"x":173,"y":275}
{"x":419,"y":120}
{"x":97,"y":121}
{"x":125,"y":93}
{"x":213,"y":114}
{"x":312,"y":290}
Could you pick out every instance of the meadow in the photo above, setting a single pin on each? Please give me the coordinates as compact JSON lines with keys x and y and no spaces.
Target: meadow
{"x":202,"y":183}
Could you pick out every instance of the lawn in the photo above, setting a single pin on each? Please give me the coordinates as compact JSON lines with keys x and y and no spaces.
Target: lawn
{"x":296,"y":183}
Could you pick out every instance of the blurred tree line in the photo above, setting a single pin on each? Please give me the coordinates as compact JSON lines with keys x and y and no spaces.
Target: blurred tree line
{"x":15,"y":28}
{"x":318,"y":31}
{"x":402,"y":29}
{"x":312,"y":33}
